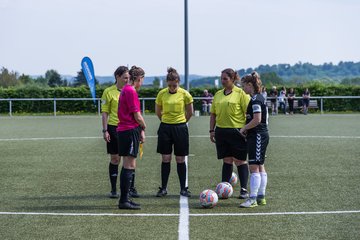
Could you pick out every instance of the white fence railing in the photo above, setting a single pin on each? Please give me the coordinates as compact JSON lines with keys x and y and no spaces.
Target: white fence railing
{"x":142,"y":100}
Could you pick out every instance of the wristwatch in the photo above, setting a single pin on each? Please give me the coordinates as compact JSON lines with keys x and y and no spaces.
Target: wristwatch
{"x":104,"y":130}
{"x":210,"y":131}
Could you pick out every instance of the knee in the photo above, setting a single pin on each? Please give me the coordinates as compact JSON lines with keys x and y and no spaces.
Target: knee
{"x":228,"y":160}
{"x":166,"y":158}
{"x":115,"y":159}
{"x":180,"y":159}
{"x":240,"y":162}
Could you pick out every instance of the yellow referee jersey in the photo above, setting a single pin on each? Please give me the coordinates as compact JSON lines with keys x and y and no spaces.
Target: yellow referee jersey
{"x":230,"y":110}
{"x":109,"y":104}
{"x":173,"y":105}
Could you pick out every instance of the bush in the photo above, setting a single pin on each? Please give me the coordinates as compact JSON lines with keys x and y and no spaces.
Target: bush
{"x":316,"y":89}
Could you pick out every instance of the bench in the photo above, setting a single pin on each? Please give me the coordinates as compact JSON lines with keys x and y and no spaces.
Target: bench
{"x":313,"y":104}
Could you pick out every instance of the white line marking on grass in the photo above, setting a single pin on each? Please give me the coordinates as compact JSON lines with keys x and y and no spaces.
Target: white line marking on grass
{"x":193,"y":136}
{"x":184,"y":211}
{"x":47,"y":138}
{"x":177,"y":215}
{"x":336,"y":137}
{"x":184,"y":219}
{"x":273,"y":213}
{"x":94,"y":214}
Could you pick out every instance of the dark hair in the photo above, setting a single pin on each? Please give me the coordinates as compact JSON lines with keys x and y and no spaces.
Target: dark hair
{"x":172,"y":75}
{"x":254,"y":79}
{"x":120,"y":71}
{"x":233,"y":75}
{"x":136,"y":72}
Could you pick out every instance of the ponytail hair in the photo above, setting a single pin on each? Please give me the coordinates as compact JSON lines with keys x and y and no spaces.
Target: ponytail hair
{"x":136,"y":72}
{"x":254,"y":79}
{"x":172,"y":75}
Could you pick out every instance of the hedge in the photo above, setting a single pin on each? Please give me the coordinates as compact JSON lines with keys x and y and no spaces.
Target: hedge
{"x":316,"y":89}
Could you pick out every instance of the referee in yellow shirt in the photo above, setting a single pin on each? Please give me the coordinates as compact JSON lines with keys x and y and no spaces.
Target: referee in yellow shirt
{"x":228,"y":116}
{"x":174,"y":107}
{"x":109,"y":108}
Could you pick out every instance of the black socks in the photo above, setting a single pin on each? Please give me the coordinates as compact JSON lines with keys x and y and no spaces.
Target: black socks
{"x":181,"y":170}
{"x":165,"y":172}
{"x":126,"y":176}
{"x":113,"y":173}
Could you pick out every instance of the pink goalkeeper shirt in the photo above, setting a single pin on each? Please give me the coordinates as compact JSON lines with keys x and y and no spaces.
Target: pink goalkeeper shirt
{"x":128,"y":104}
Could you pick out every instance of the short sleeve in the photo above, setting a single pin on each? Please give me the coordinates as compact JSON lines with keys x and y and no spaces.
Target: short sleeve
{"x":188,"y":98}
{"x":105,"y":102}
{"x":158,"y":100}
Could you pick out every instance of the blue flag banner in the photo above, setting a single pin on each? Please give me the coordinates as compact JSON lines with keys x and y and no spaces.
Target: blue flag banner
{"x":88,"y":70}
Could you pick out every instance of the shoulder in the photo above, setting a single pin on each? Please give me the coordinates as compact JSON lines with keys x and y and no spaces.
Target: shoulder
{"x":162,"y":91}
{"x":219,"y":92}
{"x":238,"y":90}
{"x":183,"y":91}
{"x":108,"y":89}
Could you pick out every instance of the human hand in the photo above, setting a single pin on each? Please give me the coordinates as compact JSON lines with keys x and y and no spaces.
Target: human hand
{"x":106,"y":136}
{"x":142,"y":136}
{"x":212,"y":137}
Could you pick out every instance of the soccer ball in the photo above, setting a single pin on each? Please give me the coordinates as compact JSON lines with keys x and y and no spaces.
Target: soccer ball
{"x":224,"y":190}
{"x":208,"y":198}
{"x":233,"y":180}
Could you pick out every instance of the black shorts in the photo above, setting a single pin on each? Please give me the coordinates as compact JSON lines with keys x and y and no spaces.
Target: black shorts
{"x":230,"y":143}
{"x":129,"y":142}
{"x":173,"y":134}
{"x":112,"y":146}
{"x":257,"y":144}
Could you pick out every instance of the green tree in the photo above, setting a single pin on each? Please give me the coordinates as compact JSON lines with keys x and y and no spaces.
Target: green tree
{"x":271,"y":78}
{"x":7,"y":78}
{"x":351,"y":81}
{"x":80,"y":80}
{"x":25,"y":79}
{"x":156,"y":82}
{"x":41,"y":81}
{"x":53,"y":78}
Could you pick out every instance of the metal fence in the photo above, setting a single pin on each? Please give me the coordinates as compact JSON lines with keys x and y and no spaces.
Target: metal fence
{"x":147,"y":106}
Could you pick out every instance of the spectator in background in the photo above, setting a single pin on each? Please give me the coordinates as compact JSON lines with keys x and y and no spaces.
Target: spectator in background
{"x":282,"y":100}
{"x":306,"y":100}
{"x":264,"y":93}
{"x":206,"y":102}
{"x":291,"y":98}
{"x":273,"y":94}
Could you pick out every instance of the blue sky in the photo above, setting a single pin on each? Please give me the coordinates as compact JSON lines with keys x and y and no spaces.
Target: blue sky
{"x":38,"y":35}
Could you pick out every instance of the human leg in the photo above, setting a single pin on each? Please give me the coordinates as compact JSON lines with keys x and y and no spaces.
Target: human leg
{"x":113,"y":174}
{"x":165,"y":172}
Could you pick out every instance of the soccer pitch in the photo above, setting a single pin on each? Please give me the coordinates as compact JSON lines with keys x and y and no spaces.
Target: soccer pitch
{"x":54,"y":183}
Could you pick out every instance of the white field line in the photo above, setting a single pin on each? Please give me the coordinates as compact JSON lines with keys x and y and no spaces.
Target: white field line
{"x":177,"y":215}
{"x":183,"y":229}
{"x":193,"y":136}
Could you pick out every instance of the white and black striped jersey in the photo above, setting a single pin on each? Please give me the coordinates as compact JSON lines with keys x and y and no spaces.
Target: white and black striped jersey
{"x":257,"y":104}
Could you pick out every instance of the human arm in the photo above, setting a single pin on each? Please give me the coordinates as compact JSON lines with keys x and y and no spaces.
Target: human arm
{"x":253,"y":123}
{"x":104,"y":118}
{"x":158,"y":110}
{"x":189,"y":109}
{"x":212,"y":127}
{"x":140,"y":120}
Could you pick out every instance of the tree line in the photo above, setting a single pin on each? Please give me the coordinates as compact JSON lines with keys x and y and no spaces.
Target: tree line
{"x":345,"y":73}
{"x":51,"y":79}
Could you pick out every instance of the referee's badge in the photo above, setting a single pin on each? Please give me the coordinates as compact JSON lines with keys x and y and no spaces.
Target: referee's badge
{"x":103,"y":101}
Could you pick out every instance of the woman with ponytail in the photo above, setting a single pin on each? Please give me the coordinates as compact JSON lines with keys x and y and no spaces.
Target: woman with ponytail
{"x":257,"y":136}
{"x":131,"y":132}
{"x":174,"y":107}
